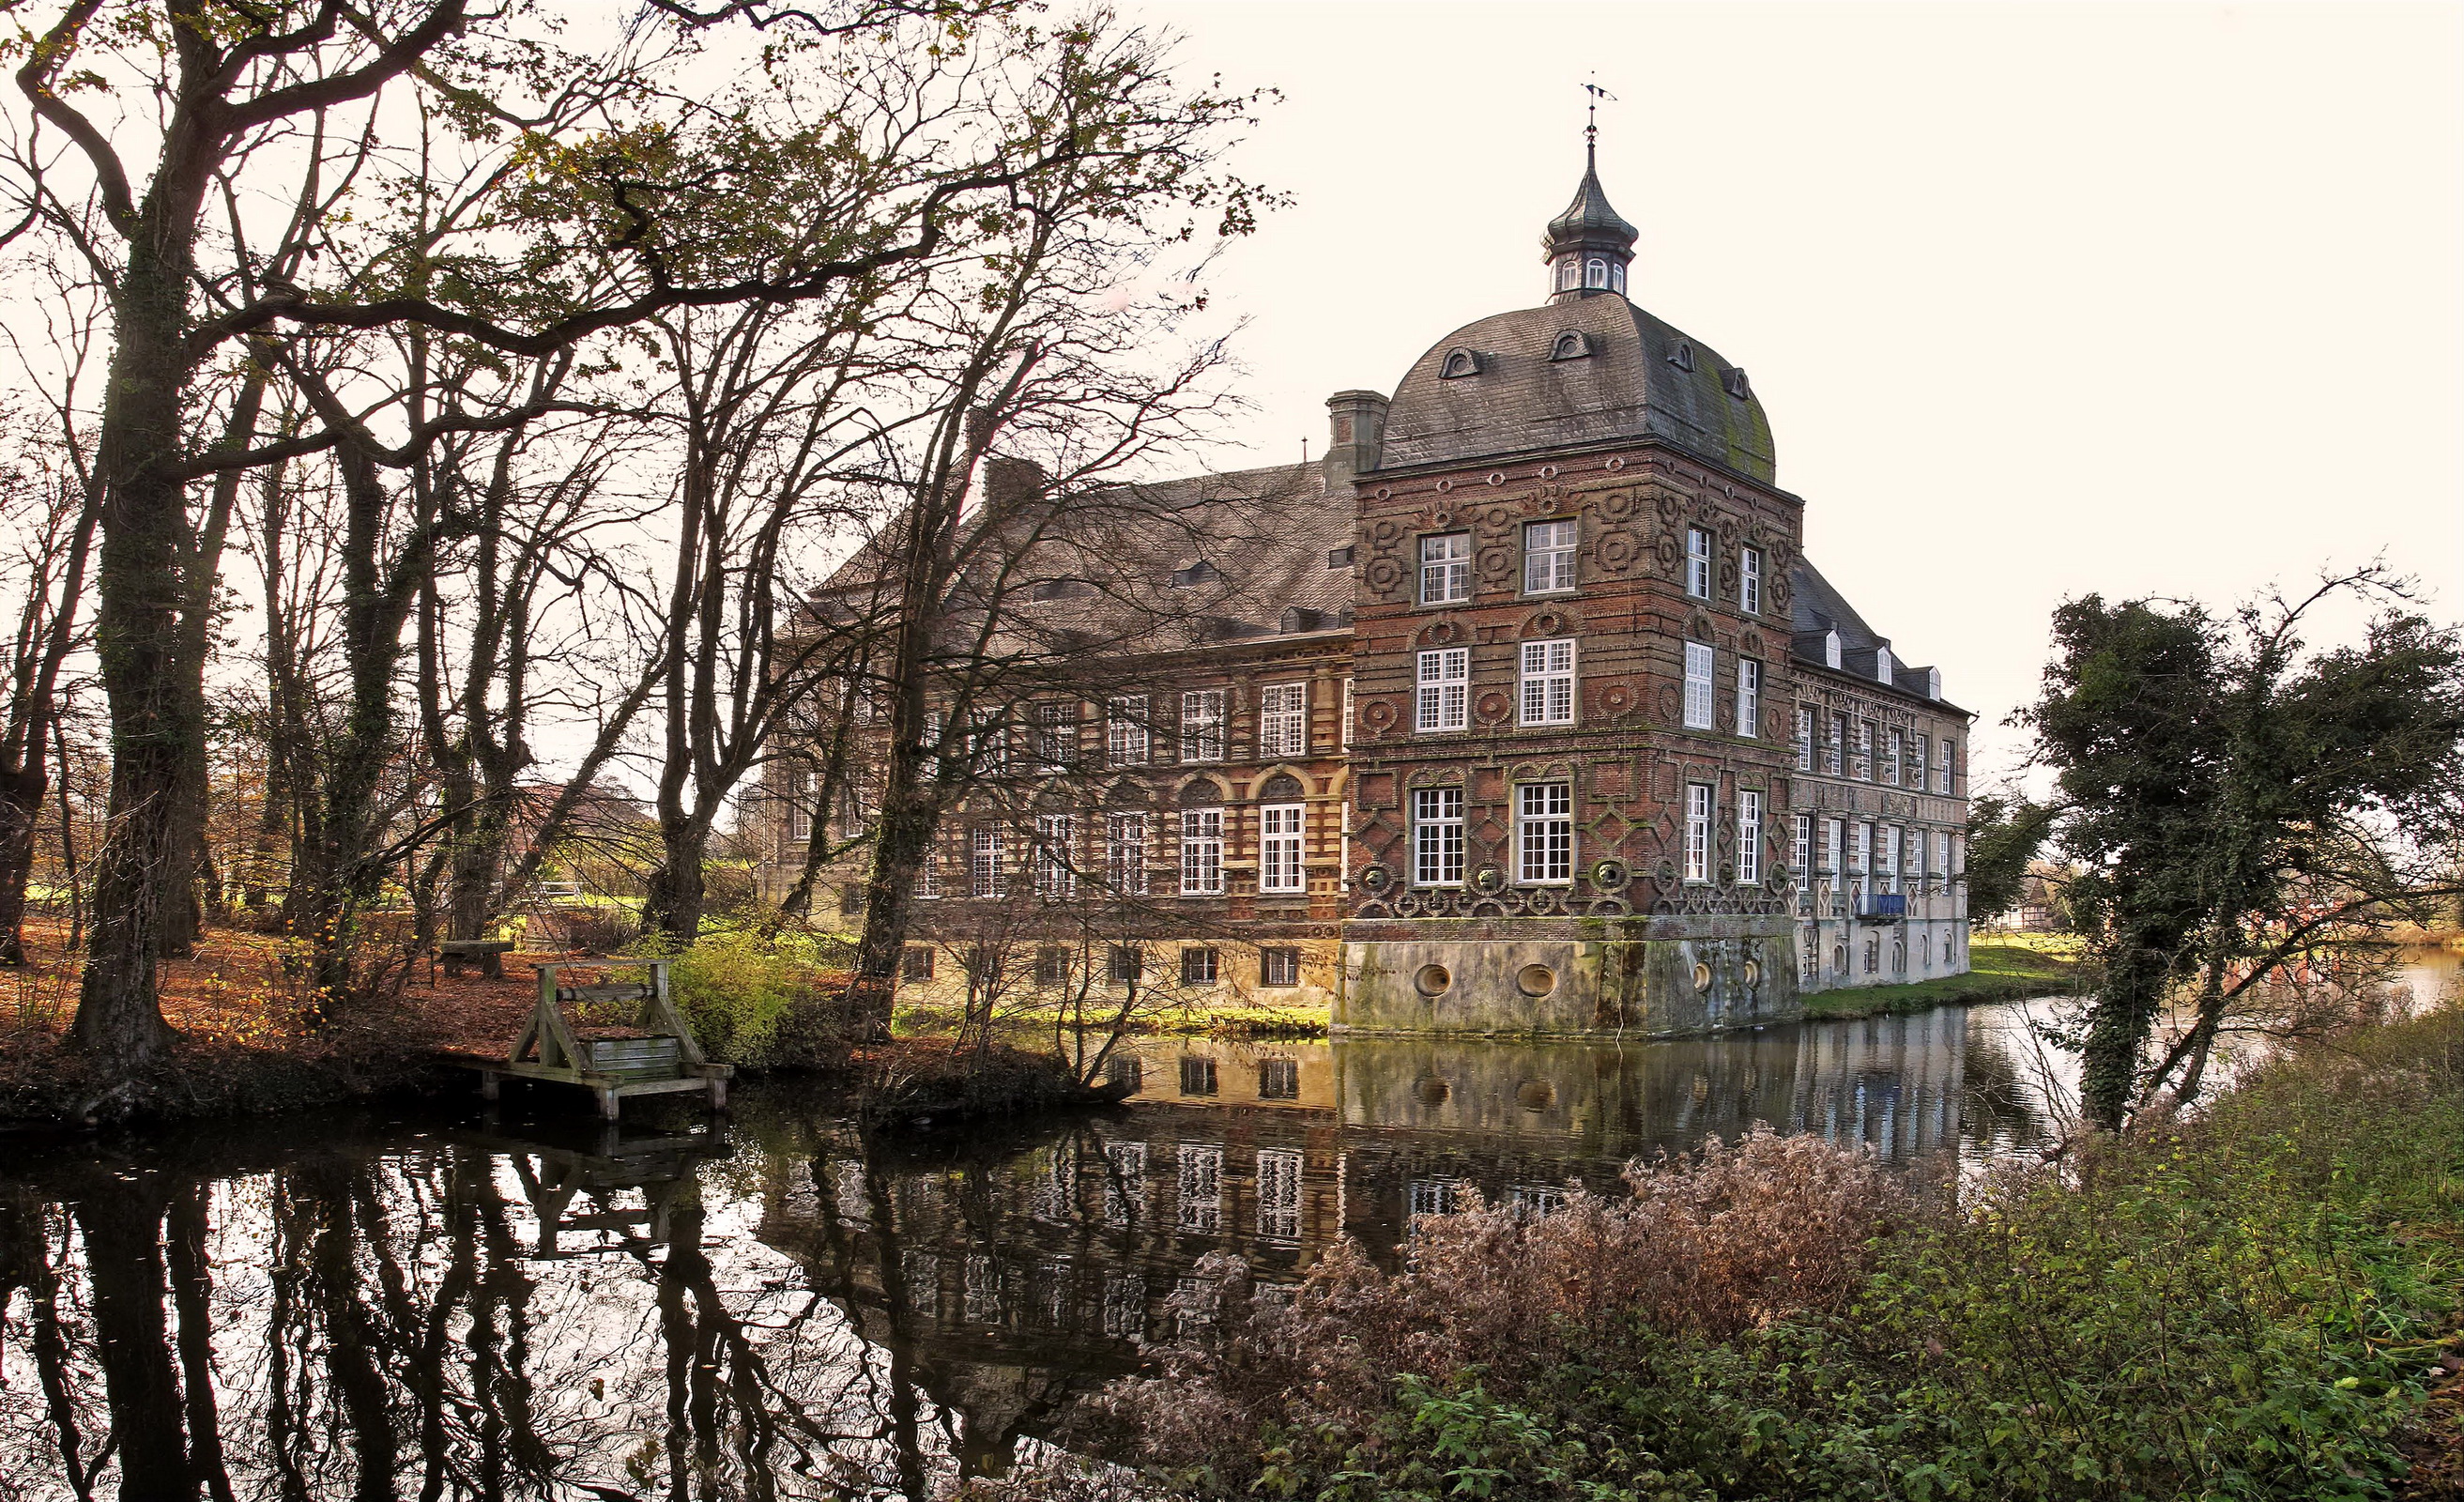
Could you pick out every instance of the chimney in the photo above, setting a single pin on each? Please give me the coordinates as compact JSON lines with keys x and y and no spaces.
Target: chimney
{"x":1357,"y":420}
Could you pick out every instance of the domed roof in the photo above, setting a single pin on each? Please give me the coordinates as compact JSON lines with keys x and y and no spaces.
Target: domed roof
{"x":1589,"y":220}
{"x":1516,"y":383}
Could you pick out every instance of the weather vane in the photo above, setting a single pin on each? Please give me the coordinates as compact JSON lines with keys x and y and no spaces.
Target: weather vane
{"x":1591,"y":114}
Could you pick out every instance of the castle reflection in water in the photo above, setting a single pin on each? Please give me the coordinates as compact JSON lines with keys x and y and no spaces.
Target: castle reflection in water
{"x":1006,"y":1274}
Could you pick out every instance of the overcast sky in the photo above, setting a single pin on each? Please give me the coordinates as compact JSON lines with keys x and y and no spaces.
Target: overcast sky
{"x":2041,"y":300}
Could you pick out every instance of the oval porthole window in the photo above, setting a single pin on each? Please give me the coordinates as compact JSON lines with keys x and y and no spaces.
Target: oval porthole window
{"x":1432,"y":980}
{"x":1753,"y":973}
{"x":1535,"y":979}
{"x":1701,"y":976}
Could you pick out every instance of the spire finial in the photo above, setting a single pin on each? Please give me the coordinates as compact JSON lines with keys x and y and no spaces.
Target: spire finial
{"x":1592,"y":124}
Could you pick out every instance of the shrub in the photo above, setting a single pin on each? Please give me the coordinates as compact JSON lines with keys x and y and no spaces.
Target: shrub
{"x":759,"y":1005}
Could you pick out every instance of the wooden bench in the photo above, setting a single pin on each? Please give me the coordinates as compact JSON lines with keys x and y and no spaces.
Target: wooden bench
{"x":488,"y":954}
{"x":660,"y":1058}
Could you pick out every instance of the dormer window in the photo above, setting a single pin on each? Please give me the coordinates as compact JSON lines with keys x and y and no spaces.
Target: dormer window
{"x":1570,"y":346}
{"x":1195,"y":574}
{"x":1831,"y":649}
{"x":1596,"y":272}
{"x":1682,"y":356}
{"x":1458,"y":363}
{"x":1883,"y":665}
{"x":1733,"y":380}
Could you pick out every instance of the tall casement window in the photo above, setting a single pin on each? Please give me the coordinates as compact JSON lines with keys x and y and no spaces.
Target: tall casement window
{"x":991,"y":749}
{"x":1437,"y":837}
{"x":1800,"y":853}
{"x":1279,"y":848}
{"x":1749,"y":838}
{"x":1749,"y":695}
{"x":1282,"y":719}
{"x":1833,"y":753}
{"x":1946,"y":868}
{"x":1834,"y":840}
{"x":1124,"y":853}
{"x":1941,"y":767}
{"x":1343,"y":725}
{"x":1548,"y":683}
{"x":987,"y":871}
{"x":1201,"y":725}
{"x":1698,"y":685}
{"x":1890,"y":858}
{"x":1445,"y":568}
{"x":1279,"y":1191}
{"x":1056,"y":735}
{"x":1698,"y":831}
{"x":928,"y":876}
{"x":1916,"y":860}
{"x":1917,"y":759}
{"x":1056,"y":869}
{"x":1860,"y":858}
{"x":1201,"y":853}
{"x":1544,"y":833}
{"x":1698,"y":562}
{"x":1864,"y":768}
{"x":1749,"y":579}
{"x":1596,"y":272}
{"x":1891,"y":756}
{"x":1445,"y":690}
{"x":1126,"y":735}
{"x":1805,"y":740}
{"x":1548,"y":557}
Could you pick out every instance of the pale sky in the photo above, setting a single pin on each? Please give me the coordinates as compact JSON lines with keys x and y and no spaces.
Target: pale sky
{"x":2041,"y":300}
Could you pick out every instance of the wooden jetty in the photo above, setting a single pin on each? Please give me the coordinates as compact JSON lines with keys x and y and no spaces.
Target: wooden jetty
{"x":655,"y":1056}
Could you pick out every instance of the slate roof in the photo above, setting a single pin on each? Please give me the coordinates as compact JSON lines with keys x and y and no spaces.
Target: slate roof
{"x":1817,"y":609}
{"x":1632,"y":383}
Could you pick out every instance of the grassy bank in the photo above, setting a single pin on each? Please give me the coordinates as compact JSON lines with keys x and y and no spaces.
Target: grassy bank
{"x":1999,"y":970}
{"x":2261,"y":1304}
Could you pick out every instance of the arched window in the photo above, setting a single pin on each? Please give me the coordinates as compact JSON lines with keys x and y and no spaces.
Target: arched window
{"x":1568,"y":274}
{"x":1617,"y":278}
{"x":1596,"y":272}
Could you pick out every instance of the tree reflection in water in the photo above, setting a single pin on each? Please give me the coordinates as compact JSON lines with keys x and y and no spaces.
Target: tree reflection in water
{"x":351,"y":1307}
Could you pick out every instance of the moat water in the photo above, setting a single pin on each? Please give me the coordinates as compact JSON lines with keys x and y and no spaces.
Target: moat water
{"x":524,"y":1304}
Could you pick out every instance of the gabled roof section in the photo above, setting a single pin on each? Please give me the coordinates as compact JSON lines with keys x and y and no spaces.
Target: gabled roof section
{"x":1817,"y":609}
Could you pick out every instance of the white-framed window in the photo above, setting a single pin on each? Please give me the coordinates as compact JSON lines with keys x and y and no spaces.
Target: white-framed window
{"x":1279,"y":1193}
{"x":1548,"y":694}
{"x":1698,"y":562}
{"x":1544,"y":833}
{"x":987,"y":863}
{"x":1444,"y":690}
{"x":1800,"y":853}
{"x":1282,"y":719}
{"x":1124,"y":853}
{"x":1834,"y":837}
{"x":1699,"y":660}
{"x":1749,"y":579}
{"x":1698,"y":831}
{"x":1749,"y":838}
{"x":1201,"y":725}
{"x":1834,"y":753}
{"x":1056,"y":866}
{"x":1548,"y":557}
{"x":800,"y":812}
{"x":991,"y":736}
{"x":1861,"y":856}
{"x":1916,"y":860}
{"x":1616,"y":277}
{"x":1569,"y":274}
{"x":1750,"y":696}
{"x":1941,"y":767}
{"x":1056,"y":735}
{"x":1804,"y":740}
{"x":1445,"y":568}
{"x":1279,"y":848}
{"x":1918,"y":760}
{"x":1596,"y":272}
{"x":1864,"y":766}
{"x":1201,"y":853}
{"x":1437,"y":837}
{"x":1893,"y":754}
{"x":1949,"y":857}
{"x":1890,"y":862}
{"x":1127,"y":736}
{"x":1343,"y":726}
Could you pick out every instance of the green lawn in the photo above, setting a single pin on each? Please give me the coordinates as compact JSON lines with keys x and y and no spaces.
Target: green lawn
{"x":1999,"y":970}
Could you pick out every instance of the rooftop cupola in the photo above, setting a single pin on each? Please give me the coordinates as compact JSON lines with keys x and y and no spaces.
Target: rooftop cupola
{"x":1589,"y":245}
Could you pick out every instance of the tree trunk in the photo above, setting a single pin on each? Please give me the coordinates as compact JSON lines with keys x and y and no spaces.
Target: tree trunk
{"x":123,"y":1226}
{"x":21,"y":804}
{"x":673,"y":903}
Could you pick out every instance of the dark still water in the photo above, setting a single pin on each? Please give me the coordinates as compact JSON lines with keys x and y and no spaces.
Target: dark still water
{"x":457,"y":1306}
